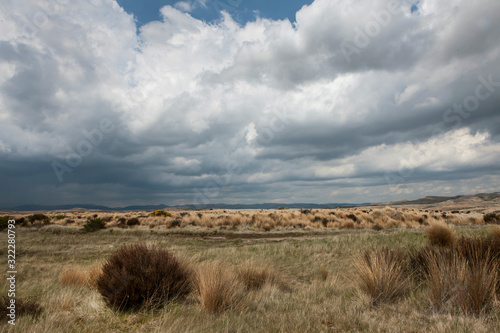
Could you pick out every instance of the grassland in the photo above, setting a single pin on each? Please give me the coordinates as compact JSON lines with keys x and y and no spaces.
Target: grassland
{"x":283,"y":271}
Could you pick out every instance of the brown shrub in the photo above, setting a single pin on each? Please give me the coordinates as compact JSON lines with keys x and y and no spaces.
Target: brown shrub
{"x":139,"y":276}
{"x":133,"y":221}
{"x":441,"y":235}
{"x":491,"y":218}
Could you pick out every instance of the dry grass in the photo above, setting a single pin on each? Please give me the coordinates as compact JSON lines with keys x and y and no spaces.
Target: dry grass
{"x":274,"y":220}
{"x":457,"y":285}
{"x":324,"y":274}
{"x":217,"y":289}
{"x":382,"y":276}
{"x":495,"y":230}
{"x":301,"y":258}
{"x":441,"y":235}
{"x":254,"y":277}
{"x":80,"y":276}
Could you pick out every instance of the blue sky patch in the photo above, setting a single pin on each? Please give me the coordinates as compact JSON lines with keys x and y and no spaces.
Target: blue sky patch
{"x":241,"y":10}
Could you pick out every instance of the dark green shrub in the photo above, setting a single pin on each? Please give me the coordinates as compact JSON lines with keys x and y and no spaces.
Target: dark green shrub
{"x":137,"y":276}
{"x":4,"y":222}
{"x":93,"y":225}
{"x":39,"y":217}
{"x":60,"y":217}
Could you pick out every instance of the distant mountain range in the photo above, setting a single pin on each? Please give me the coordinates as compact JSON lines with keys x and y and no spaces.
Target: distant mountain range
{"x":25,"y":208}
{"x":481,"y":198}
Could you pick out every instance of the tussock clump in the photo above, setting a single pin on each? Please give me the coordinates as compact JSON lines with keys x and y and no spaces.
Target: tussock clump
{"x":417,"y":263}
{"x":441,"y":235}
{"x":217,"y":289}
{"x":458,"y":285}
{"x":74,"y":276}
{"x":255,"y":278}
{"x":79,"y":276}
{"x":139,"y":276}
{"x":495,"y":230}
{"x":381,"y":274}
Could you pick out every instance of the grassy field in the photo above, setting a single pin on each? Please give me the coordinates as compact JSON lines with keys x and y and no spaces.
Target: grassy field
{"x":311,"y":283}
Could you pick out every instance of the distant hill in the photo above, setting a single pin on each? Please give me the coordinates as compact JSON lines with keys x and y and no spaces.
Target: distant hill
{"x":474,"y":201}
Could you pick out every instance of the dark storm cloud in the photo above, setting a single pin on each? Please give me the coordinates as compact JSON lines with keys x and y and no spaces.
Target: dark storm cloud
{"x":318,"y":110}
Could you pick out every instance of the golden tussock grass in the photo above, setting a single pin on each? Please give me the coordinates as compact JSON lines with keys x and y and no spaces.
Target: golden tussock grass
{"x":457,"y":285}
{"x":255,"y":277}
{"x":217,"y":289}
{"x":495,"y":230}
{"x":80,"y":276}
{"x":382,"y":276}
{"x":440,"y":234}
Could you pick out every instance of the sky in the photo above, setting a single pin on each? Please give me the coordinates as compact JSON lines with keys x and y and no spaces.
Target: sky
{"x":201,"y":101}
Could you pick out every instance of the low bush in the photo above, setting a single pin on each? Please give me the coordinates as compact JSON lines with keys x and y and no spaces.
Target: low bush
{"x":39,"y":217}
{"x":93,"y":225}
{"x":4,"y":222}
{"x":137,"y":276}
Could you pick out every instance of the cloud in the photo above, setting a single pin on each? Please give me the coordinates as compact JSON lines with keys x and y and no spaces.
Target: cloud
{"x":266,"y":111}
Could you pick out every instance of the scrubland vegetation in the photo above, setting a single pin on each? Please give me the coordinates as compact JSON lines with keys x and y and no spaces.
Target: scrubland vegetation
{"x":263,"y":220}
{"x":333,"y":270}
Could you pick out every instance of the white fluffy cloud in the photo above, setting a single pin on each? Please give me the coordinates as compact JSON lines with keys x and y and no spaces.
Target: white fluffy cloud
{"x":272,"y":110}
